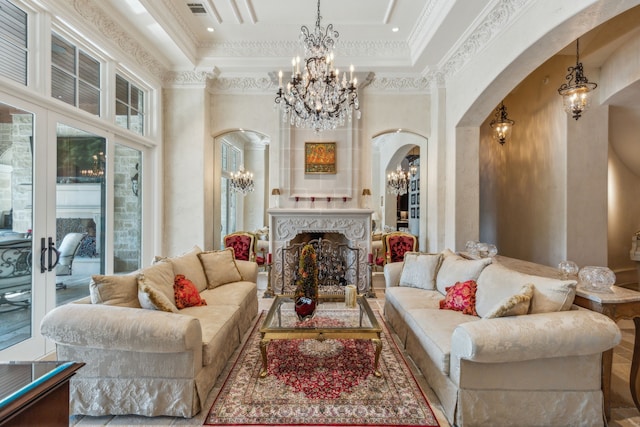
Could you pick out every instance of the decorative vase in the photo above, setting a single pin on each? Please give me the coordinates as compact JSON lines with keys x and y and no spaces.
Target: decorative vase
{"x":597,"y":279}
{"x":306,"y":294}
{"x":305,"y":308}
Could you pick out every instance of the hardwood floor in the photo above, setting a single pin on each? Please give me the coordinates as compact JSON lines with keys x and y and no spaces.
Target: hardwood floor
{"x":623,"y":413}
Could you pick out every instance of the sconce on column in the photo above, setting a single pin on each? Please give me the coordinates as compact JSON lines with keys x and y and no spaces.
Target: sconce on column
{"x":275,"y":195}
{"x":366,"y":196}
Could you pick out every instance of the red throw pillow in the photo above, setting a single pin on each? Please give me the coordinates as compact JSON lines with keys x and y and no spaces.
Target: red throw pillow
{"x":461,"y":297}
{"x":186,"y":293}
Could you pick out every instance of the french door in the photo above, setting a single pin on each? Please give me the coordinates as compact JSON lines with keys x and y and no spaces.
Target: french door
{"x":70,"y":207}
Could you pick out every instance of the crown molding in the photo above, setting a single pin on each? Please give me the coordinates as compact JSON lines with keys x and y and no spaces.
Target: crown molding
{"x":175,"y":24}
{"x":113,"y":31}
{"x":375,"y":84}
{"x":400,"y":84}
{"x":493,"y":22}
{"x":187,"y":78}
{"x":425,"y":27}
{"x":244,"y":84}
{"x":288,"y":49}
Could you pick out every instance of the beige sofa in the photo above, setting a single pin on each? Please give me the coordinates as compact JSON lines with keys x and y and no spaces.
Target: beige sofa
{"x":145,"y":356}
{"x":527,"y":358}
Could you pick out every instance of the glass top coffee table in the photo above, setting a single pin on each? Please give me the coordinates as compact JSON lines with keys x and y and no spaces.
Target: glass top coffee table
{"x":332,"y":320}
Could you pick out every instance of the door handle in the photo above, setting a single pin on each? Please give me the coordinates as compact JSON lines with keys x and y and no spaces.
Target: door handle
{"x":52,"y":249}
{"x":43,"y":250}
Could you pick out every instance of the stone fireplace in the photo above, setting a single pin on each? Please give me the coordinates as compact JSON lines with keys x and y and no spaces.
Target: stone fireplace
{"x":286,"y":225}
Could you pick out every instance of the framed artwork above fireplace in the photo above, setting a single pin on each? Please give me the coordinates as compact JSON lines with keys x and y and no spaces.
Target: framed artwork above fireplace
{"x":320,"y":158}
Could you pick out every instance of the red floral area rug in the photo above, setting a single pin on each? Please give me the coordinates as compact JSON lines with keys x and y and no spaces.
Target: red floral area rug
{"x":328,"y":383}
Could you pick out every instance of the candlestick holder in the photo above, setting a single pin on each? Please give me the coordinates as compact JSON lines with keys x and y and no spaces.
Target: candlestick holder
{"x":268,"y":293}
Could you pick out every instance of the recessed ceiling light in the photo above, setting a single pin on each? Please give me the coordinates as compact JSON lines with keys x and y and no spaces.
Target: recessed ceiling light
{"x":395,"y":29}
{"x":210,"y":29}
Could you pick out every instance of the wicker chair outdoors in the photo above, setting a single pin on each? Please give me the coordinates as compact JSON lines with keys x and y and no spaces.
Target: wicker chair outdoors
{"x":68,"y":250}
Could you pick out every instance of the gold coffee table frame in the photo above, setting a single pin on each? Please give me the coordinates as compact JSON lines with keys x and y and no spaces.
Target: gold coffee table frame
{"x":281,"y":320}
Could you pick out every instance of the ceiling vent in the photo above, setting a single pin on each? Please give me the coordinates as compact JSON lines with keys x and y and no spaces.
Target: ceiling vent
{"x":197,"y":8}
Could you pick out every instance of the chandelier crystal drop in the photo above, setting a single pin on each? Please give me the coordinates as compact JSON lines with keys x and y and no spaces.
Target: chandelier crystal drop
{"x":398,"y":182}
{"x":576,"y":93}
{"x":318,"y":97}
{"x":242,"y":181}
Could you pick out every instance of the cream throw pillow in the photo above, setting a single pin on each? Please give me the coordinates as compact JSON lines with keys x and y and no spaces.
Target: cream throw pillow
{"x":456,"y":269}
{"x":419,"y":270}
{"x":189,"y":266}
{"x":498,"y":282}
{"x":219,"y":267}
{"x":155,"y":287}
{"x":515,"y":305}
{"x":115,"y":290}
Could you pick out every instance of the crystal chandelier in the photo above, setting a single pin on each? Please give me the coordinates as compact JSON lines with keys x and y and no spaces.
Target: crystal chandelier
{"x":501,"y":124}
{"x":576,"y":93}
{"x":397,"y":182}
{"x":242,"y":181}
{"x":318,"y":98}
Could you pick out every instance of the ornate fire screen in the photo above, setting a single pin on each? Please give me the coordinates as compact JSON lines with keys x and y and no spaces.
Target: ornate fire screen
{"x":338,"y":266}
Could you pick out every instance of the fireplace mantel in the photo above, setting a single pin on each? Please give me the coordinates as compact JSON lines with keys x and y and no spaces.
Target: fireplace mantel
{"x":287,"y":223}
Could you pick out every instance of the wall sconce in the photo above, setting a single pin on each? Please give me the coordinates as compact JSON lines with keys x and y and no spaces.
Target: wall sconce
{"x":275,"y":195}
{"x":501,"y":124}
{"x":366,"y":195}
{"x":134,"y":182}
{"x":576,"y":93}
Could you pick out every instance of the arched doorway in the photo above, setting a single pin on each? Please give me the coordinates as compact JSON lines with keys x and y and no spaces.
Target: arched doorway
{"x":393,"y":211}
{"x":237,"y":211}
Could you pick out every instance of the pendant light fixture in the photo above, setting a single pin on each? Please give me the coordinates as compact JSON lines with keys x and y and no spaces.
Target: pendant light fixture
{"x":576,"y":93}
{"x":501,"y":124}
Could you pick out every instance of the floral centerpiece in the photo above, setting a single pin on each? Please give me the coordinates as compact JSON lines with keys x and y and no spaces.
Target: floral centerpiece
{"x":306,"y":294}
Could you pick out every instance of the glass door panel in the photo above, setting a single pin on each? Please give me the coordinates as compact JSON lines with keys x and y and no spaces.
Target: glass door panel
{"x":16,"y":223}
{"x":127,"y":209}
{"x":80,"y":211}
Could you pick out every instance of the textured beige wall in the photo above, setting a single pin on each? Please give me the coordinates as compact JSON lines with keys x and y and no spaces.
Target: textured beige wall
{"x":522,"y":183}
{"x":382,"y":112}
{"x":545,"y":195}
{"x":186,"y":145}
{"x":624,"y":196}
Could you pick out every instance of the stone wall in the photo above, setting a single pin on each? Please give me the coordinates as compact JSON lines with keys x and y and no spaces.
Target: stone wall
{"x":22,"y":176}
{"x":127,"y":210}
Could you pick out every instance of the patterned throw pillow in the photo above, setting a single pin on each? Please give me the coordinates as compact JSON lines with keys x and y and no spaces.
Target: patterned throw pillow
{"x":186,"y":293}
{"x":419,"y":270}
{"x":515,"y":305}
{"x":461,"y":297}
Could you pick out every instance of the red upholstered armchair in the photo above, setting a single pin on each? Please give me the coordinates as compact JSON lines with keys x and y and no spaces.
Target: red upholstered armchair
{"x":395,"y":245}
{"x":243,"y":244}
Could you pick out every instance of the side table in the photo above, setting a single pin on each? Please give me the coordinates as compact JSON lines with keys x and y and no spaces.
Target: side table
{"x":619,"y":304}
